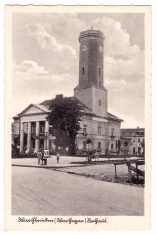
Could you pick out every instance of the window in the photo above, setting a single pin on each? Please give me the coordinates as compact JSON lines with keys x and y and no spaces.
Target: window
{"x":99,"y":84}
{"x":133,"y":150}
{"x":99,"y":130}
{"x":99,"y":146}
{"x":83,"y":70}
{"x":84,"y":145}
{"x":42,"y":129}
{"x":112,"y":132}
{"x":99,"y":71}
{"x":99,"y":102}
{"x":112,"y":146}
{"x":84,"y":129}
{"x":139,"y":140}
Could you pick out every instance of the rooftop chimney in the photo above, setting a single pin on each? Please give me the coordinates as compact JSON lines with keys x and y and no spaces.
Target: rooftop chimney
{"x":60,"y":96}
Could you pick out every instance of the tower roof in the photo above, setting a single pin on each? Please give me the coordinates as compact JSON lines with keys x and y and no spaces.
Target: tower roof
{"x":91,"y":33}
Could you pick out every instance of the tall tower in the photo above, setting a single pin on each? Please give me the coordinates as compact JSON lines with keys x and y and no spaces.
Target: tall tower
{"x":90,"y":89}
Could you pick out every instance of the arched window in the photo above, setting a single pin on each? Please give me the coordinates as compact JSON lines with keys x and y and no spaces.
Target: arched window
{"x":84,"y":144}
{"x":112,"y":146}
{"x":99,"y":145}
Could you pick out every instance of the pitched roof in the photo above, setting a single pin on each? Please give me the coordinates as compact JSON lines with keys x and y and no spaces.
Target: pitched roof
{"x":44,"y":106}
{"x":41,"y":107}
{"x":48,"y":103}
{"x":113,"y":117}
{"x":132,"y":129}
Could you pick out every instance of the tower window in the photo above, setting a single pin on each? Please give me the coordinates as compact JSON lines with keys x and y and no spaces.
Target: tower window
{"x":99,"y":102}
{"x":83,"y":70}
{"x":99,"y":71}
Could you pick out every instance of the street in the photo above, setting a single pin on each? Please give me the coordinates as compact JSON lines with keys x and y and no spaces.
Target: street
{"x":39,"y":191}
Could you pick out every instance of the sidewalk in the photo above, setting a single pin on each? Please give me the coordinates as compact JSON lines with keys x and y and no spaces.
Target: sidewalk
{"x":51,"y":162}
{"x":65,"y":161}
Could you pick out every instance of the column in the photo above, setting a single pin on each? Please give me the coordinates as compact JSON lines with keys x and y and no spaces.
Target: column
{"x":37,"y":134}
{"x":29,"y":137}
{"x":46,"y":142}
{"x":22,"y":137}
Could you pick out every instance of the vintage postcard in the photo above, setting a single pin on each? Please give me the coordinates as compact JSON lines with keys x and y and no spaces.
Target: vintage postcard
{"x":77,"y":118}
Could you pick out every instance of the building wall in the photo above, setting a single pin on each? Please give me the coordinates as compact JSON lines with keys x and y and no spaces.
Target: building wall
{"x":137,"y":136}
{"x":85,"y":96}
{"x":83,"y":63}
{"x":15,"y":127}
{"x":93,"y":133}
{"x":113,"y":125}
{"x":99,"y":95}
{"x":91,"y":59}
{"x":91,"y":98}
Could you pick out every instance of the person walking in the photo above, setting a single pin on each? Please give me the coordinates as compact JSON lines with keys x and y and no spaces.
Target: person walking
{"x":42,"y":156}
{"x":58,"y":157}
{"x":39,"y":156}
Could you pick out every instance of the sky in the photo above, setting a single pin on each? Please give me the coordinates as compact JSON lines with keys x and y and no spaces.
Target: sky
{"x":45,"y":59}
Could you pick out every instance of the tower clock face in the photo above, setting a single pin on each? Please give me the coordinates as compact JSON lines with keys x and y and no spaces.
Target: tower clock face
{"x":84,"y":48}
{"x":100,"y":49}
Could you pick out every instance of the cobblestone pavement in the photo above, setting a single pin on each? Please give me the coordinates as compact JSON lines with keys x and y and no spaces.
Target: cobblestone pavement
{"x":37,"y":191}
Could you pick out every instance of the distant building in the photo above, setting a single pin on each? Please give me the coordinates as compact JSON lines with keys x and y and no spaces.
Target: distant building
{"x":101,"y":127}
{"x":137,"y":136}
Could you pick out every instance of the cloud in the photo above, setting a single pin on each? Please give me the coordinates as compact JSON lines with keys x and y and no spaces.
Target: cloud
{"x":30,"y":70}
{"x":117,"y":40}
{"x":46,"y":41}
{"x":120,"y":57}
{"x":33,"y":84}
{"x":29,"y":66}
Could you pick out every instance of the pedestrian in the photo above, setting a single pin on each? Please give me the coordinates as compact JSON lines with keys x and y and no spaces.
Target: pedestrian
{"x":39,"y":156}
{"x":42,"y":156}
{"x":89,"y":156}
{"x":58,"y":156}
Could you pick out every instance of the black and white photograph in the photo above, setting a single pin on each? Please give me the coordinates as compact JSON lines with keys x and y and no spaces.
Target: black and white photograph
{"x":79,"y":116}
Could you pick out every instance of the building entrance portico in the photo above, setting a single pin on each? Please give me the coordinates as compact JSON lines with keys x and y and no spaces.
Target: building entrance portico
{"x":37,"y":136}
{"x":35,"y":127}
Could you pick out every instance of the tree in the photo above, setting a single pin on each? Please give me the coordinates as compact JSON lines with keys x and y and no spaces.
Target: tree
{"x":65,"y":119}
